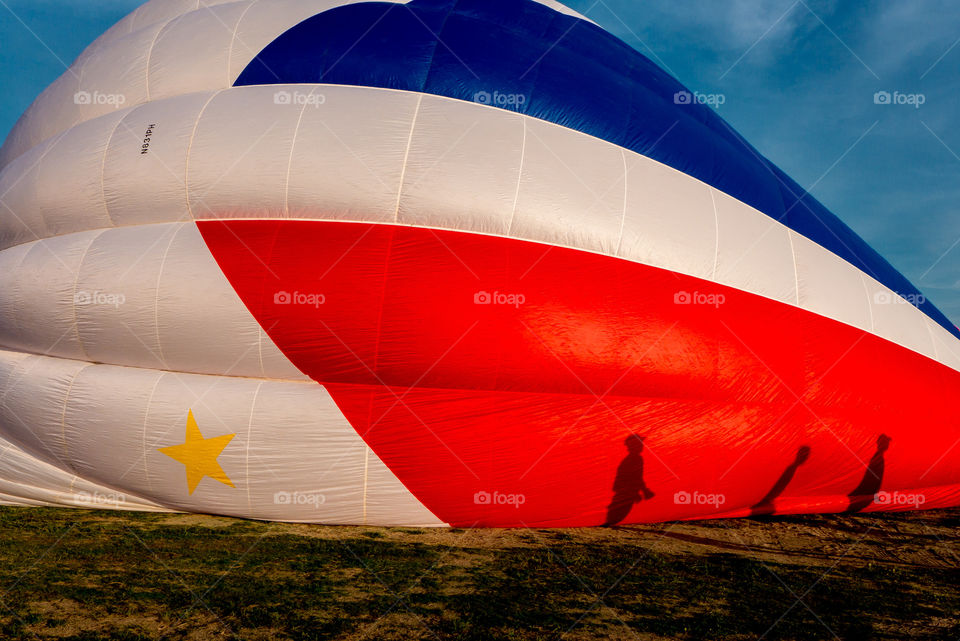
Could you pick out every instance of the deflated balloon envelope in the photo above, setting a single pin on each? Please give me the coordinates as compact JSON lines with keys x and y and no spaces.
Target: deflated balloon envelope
{"x":438,"y":263}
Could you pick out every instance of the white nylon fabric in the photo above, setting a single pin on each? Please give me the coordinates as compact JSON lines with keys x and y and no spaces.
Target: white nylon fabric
{"x":165,"y":10}
{"x":118,"y":296}
{"x":25,"y":480}
{"x":74,"y":420}
{"x":126,"y":304}
{"x":385,"y":156}
{"x":165,"y":48}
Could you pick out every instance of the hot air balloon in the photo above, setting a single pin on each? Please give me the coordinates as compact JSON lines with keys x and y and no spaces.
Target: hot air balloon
{"x":438,"y":262}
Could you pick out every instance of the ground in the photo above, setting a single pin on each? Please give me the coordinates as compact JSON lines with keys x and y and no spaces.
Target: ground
{"x":90,"y":575}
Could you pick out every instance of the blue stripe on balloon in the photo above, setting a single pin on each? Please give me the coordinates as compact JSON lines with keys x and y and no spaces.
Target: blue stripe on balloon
{"x":569,"y":72}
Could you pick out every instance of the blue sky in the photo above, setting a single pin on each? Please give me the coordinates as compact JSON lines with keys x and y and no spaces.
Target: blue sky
{"x":798,"y":80}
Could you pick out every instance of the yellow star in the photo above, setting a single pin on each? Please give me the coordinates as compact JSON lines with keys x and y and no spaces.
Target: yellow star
{"x":199,"y":455}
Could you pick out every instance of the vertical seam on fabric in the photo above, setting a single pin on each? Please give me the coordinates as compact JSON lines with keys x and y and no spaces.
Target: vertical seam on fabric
{"x":623,"y":218}
{"x":156,"y":37}
{"x":933,"y":340}
{"x":36,"y":167}
{"x":16,"y":317}
{"x":76,"y":282}
{"x":103,"y":168}
{"x":946,"y":345}
{"x":79,"y":76}
{"x":156,"y":296}
{"x":523,"y":158}
{"x":406,"y":157}
{"x":716,"y":233}
{"x":796,"y":268}
{"x":233,"y":39}
{"x":186,"y":166}
{"x":133,"y":19}
{"x":63,"y":420}
{"x":366,"y":472}
{"x":13,"y":380}
{"x":260,"y":333}
{"x":76,"y":120}
{"x":866,"y":293}
{"x":246,"y":479}
{"x":293,"y":145}
{"x":35,"y":358}
{"x":143,"y":440}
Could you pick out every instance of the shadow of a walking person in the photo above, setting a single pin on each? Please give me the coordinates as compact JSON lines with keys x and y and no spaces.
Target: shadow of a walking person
{"x":863,"y":494}
{"x":765,"y":505}
{"x":629,"y":487}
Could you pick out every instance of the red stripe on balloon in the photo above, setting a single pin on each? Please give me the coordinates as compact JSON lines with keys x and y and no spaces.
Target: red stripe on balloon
{"x":499,"y":379}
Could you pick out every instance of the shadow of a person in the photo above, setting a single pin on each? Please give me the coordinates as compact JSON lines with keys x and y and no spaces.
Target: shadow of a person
{"x":864,"y":493}
{"x":765,"y":505}
{"x":629,"y":487}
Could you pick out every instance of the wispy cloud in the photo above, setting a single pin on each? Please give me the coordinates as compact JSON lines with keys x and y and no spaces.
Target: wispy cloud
{"x":911,"y":37}
{"x":739,"y":24}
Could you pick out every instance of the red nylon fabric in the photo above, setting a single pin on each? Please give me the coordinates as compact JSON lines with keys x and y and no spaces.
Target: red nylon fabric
{"x":512,"y":383}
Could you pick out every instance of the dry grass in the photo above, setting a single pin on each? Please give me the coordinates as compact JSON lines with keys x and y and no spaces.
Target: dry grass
{"x":85,"y":575}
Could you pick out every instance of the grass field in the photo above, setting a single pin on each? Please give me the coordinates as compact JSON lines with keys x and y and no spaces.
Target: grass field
{"x":71,"y":574}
